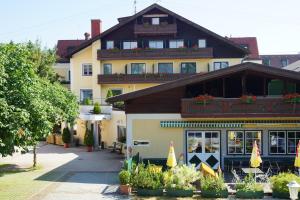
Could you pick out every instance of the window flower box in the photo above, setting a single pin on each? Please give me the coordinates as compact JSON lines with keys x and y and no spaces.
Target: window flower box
{"x":249,"y":194}
{"x":248,"y":99}
{"x":214,"y":194}
{"x":204,"y":99}
{"x":179,"y":193}
{"x":292,"y":98}
{"x":150,"y":192}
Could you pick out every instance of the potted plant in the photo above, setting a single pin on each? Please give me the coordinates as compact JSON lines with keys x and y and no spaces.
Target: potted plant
{"x":89,"y":140}
{"x":124,"y":177}
{"x":292,"y":98}
{"x":97,"y":108}
{"x":249,"y":189}
{"x":248,"y":99}
{"x":178,"y":181}
{"x":279,"y":184}
{"x":147,"y":182}
{"x":204,"y":99}
{"x":87,"y":101}
{"x":66,"y":137}
{"x":213,"y":187}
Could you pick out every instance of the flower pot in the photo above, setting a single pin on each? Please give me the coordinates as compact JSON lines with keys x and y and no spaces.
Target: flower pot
{"x":214,"y":194}
{"x":66,"y":145}
{"x":125,"y":189}
{"x":89,"y":148}
{"x":281,"y":195}
{"x":149,"y":192}
{"x":179,"y":193}
{"x":250,"y":194}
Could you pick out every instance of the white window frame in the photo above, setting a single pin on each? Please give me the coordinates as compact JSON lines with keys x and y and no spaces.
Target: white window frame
{"x":155,"y":21}
{"x":131,"y":44}
{"x":285,"y":143}
{"x":89,"y":67}
{"x":156,"y":44}
{"x":260,"y":142}
{"x":287,"y":139}
{"x":202,"y":42}
{"x":176,"y":42}
{"x":243,"y":140}
{"x":110,"y":44}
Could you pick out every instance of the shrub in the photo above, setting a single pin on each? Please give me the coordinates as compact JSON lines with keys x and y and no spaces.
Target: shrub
{"x":97,"y":108}
{"x":66,"y":136}
{"x":144,"y":178}
{"x":125,"y":165}
{"x":87,"y":101}
{"x":249,"y":185}
{"x":209,"y":183}
{"x":280,"y":181}
{"x":124,"y":177}
{"x":109,"y":94}
{"x":88,"y":138}
{"x":181,"y":177}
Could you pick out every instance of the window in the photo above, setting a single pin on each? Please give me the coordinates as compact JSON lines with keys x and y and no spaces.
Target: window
{"x":241,"y":142}
{"x":155,"y":21}
{"x":277,"y":142}
{"x":121,"y":134}
{"x":87,"y":70}
{"x":86,"y":94}
{"x":188,"y":68}
{"x":202,"y":43}
{"x":130,"y":45}
{"x":138,"y":68}
{"x":293,"y":138}
{"x":220,"y":65}
{"x":250,"y":137}
{"x":284,"y":62}
{"x":266,"y":61}
{"x":166,"y":68}
{"x":116,"y":92}
{"x":156,"y":44}
{"x":176,"y":44}
{"x":107,"y":68}
{"x":109,"y":44}
{"x":235,"y":142}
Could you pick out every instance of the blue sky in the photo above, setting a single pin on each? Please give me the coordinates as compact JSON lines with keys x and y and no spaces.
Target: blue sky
{"x":275,"y":23}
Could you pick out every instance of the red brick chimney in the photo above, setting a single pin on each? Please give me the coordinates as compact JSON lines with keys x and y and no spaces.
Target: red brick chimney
{"x":96,"y":27}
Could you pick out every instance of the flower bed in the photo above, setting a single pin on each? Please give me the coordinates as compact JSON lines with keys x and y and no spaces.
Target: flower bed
{"x":249,"y":189}
{"x":179,"y":193}
{"x":149,"y":192}
{"x":212,"y":187}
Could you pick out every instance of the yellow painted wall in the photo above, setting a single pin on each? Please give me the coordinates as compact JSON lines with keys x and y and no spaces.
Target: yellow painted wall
{"x":149,"y":129}
{"x":80,"y":130}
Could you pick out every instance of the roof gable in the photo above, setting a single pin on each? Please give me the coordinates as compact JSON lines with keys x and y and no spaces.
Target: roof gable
{"x":262,"y":69}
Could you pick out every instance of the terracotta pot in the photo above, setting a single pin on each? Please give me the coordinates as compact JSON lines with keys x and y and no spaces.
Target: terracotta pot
{"x":125,"y":189}
{"x":66,"y":145}
{"x":89,"y":148}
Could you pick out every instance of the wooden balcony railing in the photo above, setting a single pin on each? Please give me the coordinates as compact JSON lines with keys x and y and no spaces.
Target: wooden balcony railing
{"x":233,"y":107}
{"x":138,"y":78}
{"x":164,"y":29}
{"x":133,"y":54}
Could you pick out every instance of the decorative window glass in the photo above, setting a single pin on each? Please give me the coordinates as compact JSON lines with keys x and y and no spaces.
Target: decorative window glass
{"x":293,"y":138}
{"x":235,"y":142}
{"x":156,"y":44}
{"x":188,"y":68}
{"x":130,"y":45}
{"x":202,"y":43}
{"x":107,"y":68}
{"x":155,"y":21}
{"x":220,"y":65}
{"x":277,"y":142}
{"x":194,"y":142}
{"x":250,"y":137}
{"x":176,"y":44}
{"x":212,"y":142}
{"x":166,"y":68}
{"x":86,"y":94}
{"x":87,"y":70}
{"x":138,"y":68}
{"x":109,"y":44}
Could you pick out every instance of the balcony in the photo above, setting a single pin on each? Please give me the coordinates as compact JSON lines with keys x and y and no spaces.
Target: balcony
{"x":138,"y":78}
{"x":233,"y":107}
{"x":149,"y":54}
{"x":163,"y":29}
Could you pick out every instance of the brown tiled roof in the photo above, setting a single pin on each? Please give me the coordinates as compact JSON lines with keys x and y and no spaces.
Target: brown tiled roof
{"x":276,"y":60}
{"x":64,"y":47}
{"x":250,"y":43}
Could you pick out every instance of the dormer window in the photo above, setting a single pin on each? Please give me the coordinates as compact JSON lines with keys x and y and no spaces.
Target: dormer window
{"x":155,"y":21}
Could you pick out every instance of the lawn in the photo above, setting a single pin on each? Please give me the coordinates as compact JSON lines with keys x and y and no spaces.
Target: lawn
{"x":20,"y":184}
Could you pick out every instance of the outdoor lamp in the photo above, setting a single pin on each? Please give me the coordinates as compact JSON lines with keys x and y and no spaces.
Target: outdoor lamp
{"x":293,"y":189}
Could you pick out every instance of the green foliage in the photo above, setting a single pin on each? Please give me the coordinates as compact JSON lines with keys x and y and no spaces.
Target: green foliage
{"x":125,"y":165}
{"x":66,"y":136}
{"x":145,"y":178}
{"x":249,"y":185}
{"x":181,"y":177}
{"x":209,"y":183}
{"x":88,"y":138}
{"x":280,"y":181}
{"x":109,"y":94}
{"x":87,"y":101}
{"x":97,"y":108}
{"x":124,"y":177}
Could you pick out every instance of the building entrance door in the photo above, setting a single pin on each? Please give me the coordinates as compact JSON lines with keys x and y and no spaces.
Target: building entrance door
{"x":203,"y":146}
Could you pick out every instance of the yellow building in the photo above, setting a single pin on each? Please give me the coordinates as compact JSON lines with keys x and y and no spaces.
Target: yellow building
{"x":152,"y":47}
